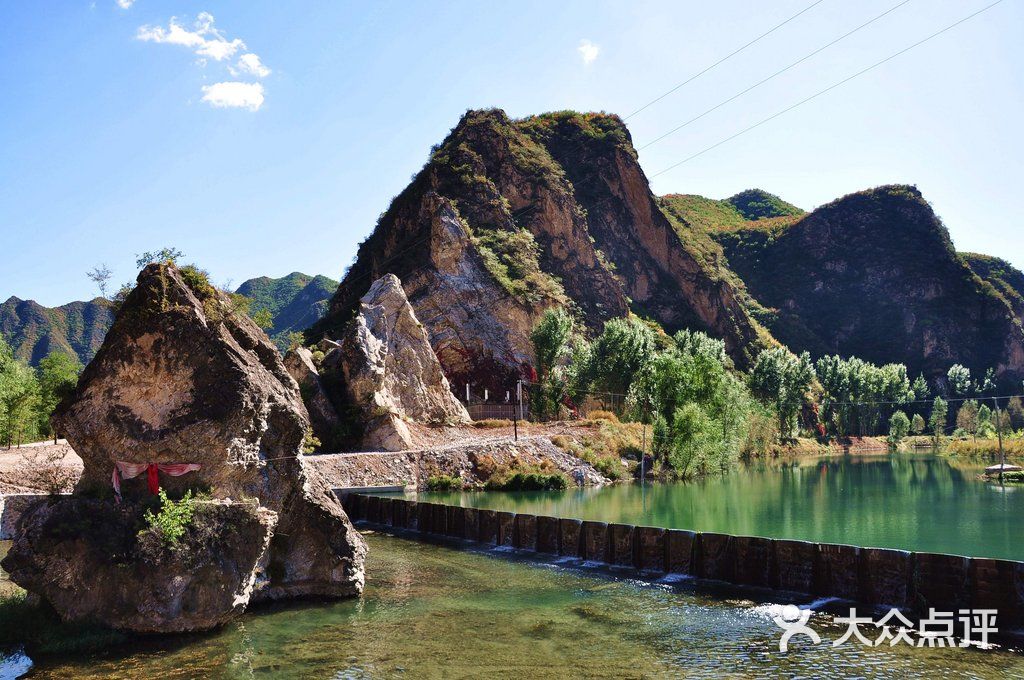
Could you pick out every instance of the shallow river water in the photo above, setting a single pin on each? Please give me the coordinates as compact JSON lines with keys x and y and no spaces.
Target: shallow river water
{"x":916,"y":502}
{"x":431,"y":611}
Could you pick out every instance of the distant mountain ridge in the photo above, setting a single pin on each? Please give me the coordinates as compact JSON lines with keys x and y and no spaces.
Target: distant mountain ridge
{"x":33,"y":331}
{"x":296,"y":302}
{"x":873,"y":274}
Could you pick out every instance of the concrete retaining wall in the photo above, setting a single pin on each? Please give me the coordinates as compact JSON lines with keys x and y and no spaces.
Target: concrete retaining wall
{"x":877,"y":576}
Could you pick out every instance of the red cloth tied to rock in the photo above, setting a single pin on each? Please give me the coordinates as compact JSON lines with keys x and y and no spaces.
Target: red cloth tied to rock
{"x":124,"y":470}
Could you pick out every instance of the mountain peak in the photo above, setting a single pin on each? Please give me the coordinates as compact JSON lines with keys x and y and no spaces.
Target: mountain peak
{"x":757,"y":204}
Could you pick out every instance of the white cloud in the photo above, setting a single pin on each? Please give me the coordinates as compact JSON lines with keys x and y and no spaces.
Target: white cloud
{"x":204,"y":39}
{"x":125,"y":4}
{"x":250,"y":64}
{"x":588,"y":51}
{"x":234,"y":95}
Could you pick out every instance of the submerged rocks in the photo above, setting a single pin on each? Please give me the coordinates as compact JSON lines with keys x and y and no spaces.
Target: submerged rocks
{"x":391,"y":373}
{"x":183,"y":378}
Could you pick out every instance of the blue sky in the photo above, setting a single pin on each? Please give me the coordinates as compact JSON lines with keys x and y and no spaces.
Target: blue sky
{"x":118,"y":136}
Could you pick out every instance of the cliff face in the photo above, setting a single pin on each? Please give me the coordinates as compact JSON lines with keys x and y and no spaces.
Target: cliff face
{"x":33,"y":331}
{"x":509,"y":218}
{"x":874,"y":274}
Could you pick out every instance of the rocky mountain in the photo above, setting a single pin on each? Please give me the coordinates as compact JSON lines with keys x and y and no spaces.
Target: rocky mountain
{"x":33,"y":331}
{"x":295,"y":301}
{"x":511,"y":217}
{"x":875,"y":274}
{"x":1006,"y":278}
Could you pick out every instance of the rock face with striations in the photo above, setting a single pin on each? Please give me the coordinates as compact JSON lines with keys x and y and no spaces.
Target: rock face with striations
{"x":322,"y":416}
{"x":391,"y":373}
{"x":512,"y":217}
{"x":183,"y":379}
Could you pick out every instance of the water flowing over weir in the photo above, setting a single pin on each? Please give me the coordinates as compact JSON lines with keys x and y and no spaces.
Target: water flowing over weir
{"x":914,"y":581}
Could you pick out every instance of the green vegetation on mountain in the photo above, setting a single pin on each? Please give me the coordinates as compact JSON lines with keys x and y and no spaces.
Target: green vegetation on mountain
{"x":282,"y":306}
{"x":294,"y":303}
{"x":34,"y":331}
{"x":1006,"y":278}
{"x":755,"y":204}
{"x":874,"y":274}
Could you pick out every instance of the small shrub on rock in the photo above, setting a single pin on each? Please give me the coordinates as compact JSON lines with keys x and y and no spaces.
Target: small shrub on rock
{"x":173,"y":519}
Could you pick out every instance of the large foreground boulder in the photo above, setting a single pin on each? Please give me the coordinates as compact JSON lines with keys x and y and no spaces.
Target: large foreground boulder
{"x":191,"y":393}
{"x":391,"y":373}
{"x":100,"y":562}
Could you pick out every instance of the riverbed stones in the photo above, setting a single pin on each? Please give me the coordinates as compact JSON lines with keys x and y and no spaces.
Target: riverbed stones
{"x":183,"y":377}
{"x":390,"y":371}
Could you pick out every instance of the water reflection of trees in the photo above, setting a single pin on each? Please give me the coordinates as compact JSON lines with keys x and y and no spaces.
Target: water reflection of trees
{"x":909,"y":501}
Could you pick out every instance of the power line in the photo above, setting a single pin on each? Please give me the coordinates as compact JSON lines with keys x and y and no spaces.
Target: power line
{"x":774,"y":75}
{"x":723,"y":59}
{"x":827,"y":89}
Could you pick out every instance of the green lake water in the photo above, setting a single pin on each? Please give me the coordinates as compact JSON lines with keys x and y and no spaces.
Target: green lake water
{"x":915,"y":502}
{"x":437,"y":612}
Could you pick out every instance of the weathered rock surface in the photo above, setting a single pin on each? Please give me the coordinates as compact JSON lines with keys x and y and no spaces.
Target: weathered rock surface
{"x":90,"y":561}
{"x":391,"y":373}
{"x":181,"y":378}
{"x":322,"y":416}
{"x":511,"y":217}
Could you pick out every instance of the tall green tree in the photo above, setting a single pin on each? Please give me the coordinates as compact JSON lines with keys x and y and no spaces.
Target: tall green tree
{"x":899,"y":426}
{"x":783,"y":379}
{"x":618,"y":353}
{"x":19,"y":399}
{"x":967,"y":418}
{"x":57,"y":374}
{"x":959,"y":379}
{"x":937,"y":420}
{"x":550,"y":338}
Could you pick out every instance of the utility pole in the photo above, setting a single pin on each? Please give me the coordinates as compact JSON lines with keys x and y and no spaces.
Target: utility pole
{"x":517,"y":413}
{"x":999,"y":433}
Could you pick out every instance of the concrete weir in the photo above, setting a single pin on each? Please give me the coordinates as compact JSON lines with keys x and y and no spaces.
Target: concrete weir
{"x":911,"y":581}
